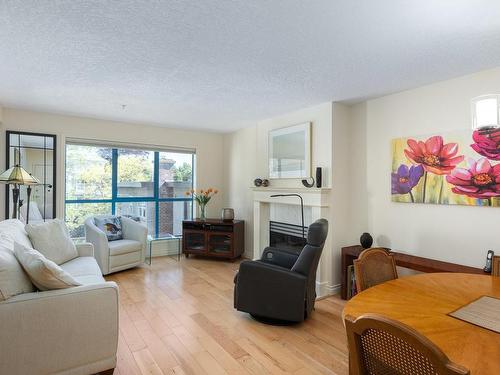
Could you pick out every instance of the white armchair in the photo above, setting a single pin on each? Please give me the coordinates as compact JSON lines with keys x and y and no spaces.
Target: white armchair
{"x":121,"y":254}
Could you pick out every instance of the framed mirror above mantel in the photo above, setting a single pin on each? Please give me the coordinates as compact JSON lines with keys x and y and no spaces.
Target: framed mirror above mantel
{"x":36,"y":153}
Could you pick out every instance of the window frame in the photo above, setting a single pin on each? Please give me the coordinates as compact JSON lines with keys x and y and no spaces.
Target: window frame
{"x":114,"y":183}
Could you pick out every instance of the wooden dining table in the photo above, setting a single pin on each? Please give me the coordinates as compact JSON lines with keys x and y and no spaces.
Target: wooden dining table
{"x":424,"y":301}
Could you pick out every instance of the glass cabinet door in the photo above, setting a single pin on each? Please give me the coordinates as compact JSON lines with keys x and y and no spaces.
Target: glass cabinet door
{"x":36,"y":153}
{"x":220,"y":243}
{"x":194,"y":241}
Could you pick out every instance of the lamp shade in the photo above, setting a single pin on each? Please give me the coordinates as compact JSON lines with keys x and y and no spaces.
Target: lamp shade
{"x":486,"y":111}
{"x":18,"y":175}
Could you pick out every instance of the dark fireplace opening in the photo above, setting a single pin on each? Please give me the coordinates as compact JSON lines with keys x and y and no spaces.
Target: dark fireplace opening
{"x":286,"y":236}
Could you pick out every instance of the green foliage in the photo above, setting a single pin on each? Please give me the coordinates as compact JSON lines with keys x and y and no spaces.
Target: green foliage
{"x":183,"y":173}
{"x":133,"y":168}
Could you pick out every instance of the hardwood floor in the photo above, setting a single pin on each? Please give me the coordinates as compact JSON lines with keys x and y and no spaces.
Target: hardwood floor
{"x":178,"y":318}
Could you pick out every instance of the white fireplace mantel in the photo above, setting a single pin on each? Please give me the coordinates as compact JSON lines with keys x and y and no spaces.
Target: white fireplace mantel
{"x":313,"y":197}
{"x":318,"y":199}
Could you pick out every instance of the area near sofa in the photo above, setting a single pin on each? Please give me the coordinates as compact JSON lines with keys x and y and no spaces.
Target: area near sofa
{"x":65,"y":331}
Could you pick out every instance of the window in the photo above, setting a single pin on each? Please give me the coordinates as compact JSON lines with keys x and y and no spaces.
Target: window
{"x":146,"y":185}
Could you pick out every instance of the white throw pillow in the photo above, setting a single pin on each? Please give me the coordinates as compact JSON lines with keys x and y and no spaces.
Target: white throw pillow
{"x":52,"y":240}
{"x":13,"y":279}
{"x":45,"y":274}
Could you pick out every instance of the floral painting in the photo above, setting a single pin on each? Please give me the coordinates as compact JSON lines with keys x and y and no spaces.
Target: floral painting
{"x":456,"y":168}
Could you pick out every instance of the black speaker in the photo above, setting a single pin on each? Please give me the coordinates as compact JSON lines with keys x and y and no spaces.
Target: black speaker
{"x":318,"y":177}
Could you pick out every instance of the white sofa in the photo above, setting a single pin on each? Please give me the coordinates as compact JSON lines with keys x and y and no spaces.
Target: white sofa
{"x":67,"y":331}
{"x":114,"y":256}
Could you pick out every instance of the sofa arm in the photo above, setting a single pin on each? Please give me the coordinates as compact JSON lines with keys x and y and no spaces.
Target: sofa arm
{"x":101,"y":249}
{"x":85,"y":249}
{"x":133,"y":230}
{"x":48,"y":332}
{"x":271,"y":291}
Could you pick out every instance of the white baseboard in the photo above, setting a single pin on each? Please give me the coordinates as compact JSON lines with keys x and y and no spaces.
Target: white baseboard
{"x":324,"y":289}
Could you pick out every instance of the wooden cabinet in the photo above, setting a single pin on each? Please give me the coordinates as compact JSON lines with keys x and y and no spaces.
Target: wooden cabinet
{"x":214,"y":238}
{"x":349,"y":253}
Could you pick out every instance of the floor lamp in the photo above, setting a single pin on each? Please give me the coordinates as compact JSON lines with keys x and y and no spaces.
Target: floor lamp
{"x":18,"y":176}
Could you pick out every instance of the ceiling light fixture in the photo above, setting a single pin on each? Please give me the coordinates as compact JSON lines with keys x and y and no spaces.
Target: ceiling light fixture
{"x":485,"y":112}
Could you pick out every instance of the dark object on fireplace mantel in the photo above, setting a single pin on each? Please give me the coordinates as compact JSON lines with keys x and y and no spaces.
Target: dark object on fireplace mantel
{"x":308,"y":184}
{"x":319,"y":177}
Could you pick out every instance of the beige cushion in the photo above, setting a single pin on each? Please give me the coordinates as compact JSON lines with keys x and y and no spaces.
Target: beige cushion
{"x":82,"y":266}
{"x":123,"y":247}
{"x":52,"y":240}
{"x":13,"y":230}
{"x":13,"y":279}
{"x":44,"y":273}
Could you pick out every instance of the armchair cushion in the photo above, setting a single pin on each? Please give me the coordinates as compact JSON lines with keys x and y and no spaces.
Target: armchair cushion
{"x":111,"y":225}
{"x":124,"y":246}
{"x":45,"y":274}
{"x":52,"y":239}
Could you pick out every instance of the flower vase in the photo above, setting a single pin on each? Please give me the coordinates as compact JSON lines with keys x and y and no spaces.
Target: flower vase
{"x":202,"y":211}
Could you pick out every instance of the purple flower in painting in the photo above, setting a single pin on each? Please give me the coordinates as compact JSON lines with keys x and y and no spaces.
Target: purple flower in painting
{"x":406,"y":178}
{"x":487,"y":143}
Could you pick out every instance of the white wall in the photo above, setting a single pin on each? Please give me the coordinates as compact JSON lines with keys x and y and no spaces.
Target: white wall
{"x":342,"y":232}
{"x":459,"y":234}
{"x":240,"y":170}
{"x":209,"y":146}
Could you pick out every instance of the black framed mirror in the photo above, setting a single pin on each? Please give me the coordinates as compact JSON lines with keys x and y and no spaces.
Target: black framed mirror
{"x":36,"y":153}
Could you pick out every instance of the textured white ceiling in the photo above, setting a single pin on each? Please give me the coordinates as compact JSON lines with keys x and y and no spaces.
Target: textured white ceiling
{"x":224,"y":64}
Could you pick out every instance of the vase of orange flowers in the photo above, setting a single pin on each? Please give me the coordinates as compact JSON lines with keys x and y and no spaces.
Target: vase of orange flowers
{"x":202,"y":197}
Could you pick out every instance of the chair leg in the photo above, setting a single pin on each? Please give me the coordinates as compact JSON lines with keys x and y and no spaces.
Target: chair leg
{"x":107,"y":372}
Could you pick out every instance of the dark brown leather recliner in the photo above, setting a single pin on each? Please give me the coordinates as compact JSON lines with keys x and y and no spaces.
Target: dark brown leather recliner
{"x":281,"y":285}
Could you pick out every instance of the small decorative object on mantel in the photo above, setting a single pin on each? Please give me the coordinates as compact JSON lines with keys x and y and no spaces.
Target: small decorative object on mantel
{"x":265,"y":182}
{"x":366,"y":240}
{"x":319,"y":177}
{"x":227,"y":214}
{"x":202,"y":198}
{"x":257,"y":182}
{"x":308,"y":184}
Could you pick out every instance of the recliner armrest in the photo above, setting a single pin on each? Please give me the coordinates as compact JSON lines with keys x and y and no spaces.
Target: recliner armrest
{"x":280,"y":257}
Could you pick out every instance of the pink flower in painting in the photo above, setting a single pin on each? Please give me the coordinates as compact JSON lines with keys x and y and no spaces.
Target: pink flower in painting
{"x":436,"y":157}
{"x":480,"y":180}
{"x":487,"y":143}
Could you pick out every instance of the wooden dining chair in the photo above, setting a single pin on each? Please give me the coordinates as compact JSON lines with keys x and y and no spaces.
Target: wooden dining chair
{"x":374,"y":266}
{"x":382,"y":346}
{"x":495,"y":266}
